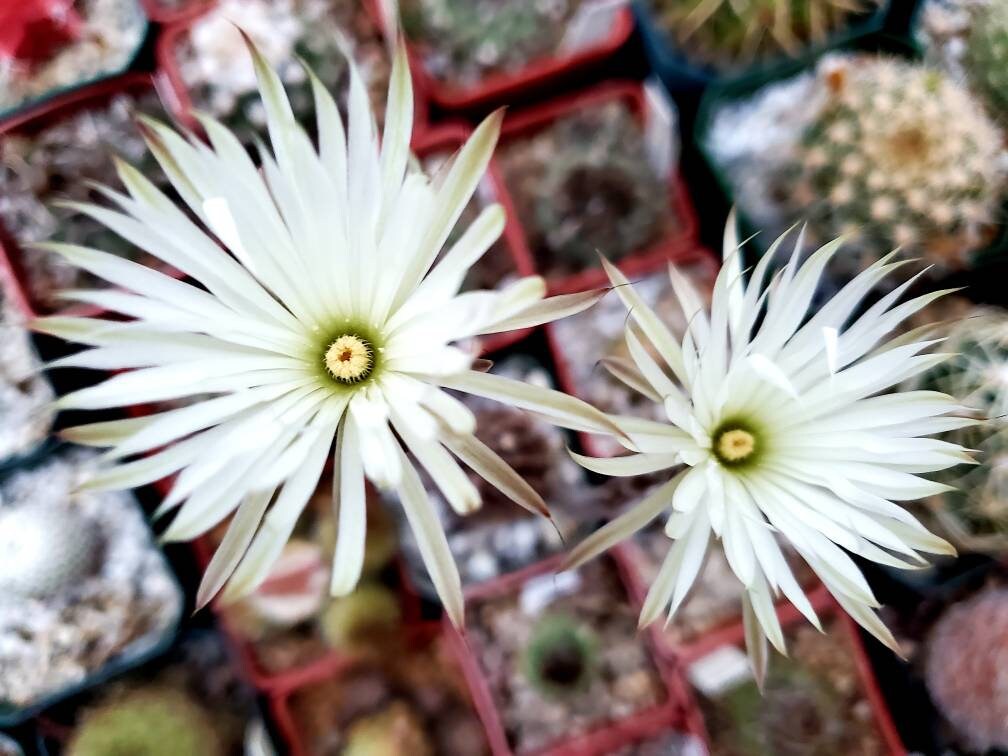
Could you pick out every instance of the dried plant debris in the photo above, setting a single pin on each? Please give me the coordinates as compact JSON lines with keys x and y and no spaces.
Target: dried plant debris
{"x":728,"y":35}
{"x":56,"y":162}
{"x":618,"y":677}
{"x":81,"y":584}
{"x":584,"y":185}
{"x":25,"y":395}
{"x":463,"y":41}
{"x":110,"y":34}
{"x":219,"y":75}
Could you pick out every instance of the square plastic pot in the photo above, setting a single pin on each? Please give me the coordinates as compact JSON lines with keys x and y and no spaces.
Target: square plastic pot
{"x":50,"y":113}
{"x":684,"y":77}
{"x":680,"y":244}
{"x":827,"y":608}
{"x":545,"y":74}
{"x":604,"y":738}
{"x":175,"y":33}
{"x":68,"y":90}
{"x":416,"y":638}
{"x":149,"y":649}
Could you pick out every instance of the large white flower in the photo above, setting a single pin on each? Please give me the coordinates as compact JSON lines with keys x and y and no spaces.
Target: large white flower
{"x":325,"y":314}
{"x":781,"y":423}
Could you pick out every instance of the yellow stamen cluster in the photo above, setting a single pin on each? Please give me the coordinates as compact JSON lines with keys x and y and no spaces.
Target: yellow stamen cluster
{"x":735,"y":445}
{"x":349,"y":359}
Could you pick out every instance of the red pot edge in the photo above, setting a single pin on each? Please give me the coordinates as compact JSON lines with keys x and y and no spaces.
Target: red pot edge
{"x":159,"y":14}
{"x":502,"y":87}
{"x":167,"y":62}
{"x":46,"y":114}
{"x":640,"y":266}
{"x":673,"y":712}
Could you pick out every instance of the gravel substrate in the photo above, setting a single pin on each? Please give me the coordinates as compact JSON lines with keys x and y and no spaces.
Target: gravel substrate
{"x":81,"y":583}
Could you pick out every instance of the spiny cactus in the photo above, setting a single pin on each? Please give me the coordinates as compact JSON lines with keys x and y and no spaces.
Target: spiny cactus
{"x":966,"y":668}
{"x":900,"y":156}
{"x":986,"y":57}
{"x":394,"y":730}
{"x":46,"y":549}
{"x":976,"y":513}
{"x":586,"y":184}
{"x":154,"y":721}
{"x":364,"y":618}
{"x":560,"y":658}
{"x":726,"y":34}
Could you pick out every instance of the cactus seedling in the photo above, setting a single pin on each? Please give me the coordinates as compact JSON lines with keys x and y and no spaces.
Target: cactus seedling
{"x":986,"y":57}
{"x":900,"y":156}
{"x":155,"y":721}
{"x":966,"y":668}
{"x":726,"y":34}
{"x":560,"y":658}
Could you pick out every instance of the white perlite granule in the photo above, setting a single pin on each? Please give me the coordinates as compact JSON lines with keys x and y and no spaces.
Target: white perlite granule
{"x":118,"y":602}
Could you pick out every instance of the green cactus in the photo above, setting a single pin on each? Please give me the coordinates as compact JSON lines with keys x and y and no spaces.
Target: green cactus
{"x":394,"y":730}
{"x":561,"y":656}
{"x":899,"y":155}
{"x":362,"y":619}
{"x":470,"y":38}
{"x":154,"y":721}
{"x":975,"y":515}
{"x":47,"y":549}
{"x":727,"y":34}
{"x":986,"y":57}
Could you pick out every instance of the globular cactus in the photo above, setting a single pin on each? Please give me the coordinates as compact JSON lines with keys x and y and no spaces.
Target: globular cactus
{"x":561,"y":656}
{"x":966,"y":669}
{"x":155,"y":721}
{"x":986,"y":55}
{"x":394,"y":730}
{"x":363,"y":619}
{"x":726,"y":34}
{"x":46,"y":549}
{"x":975,"y":515}
{"x":899,"y":155}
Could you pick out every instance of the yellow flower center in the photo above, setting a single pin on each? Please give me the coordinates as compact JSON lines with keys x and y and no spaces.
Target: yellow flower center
{"x":349,"y":359}
{"x":735,"y":445}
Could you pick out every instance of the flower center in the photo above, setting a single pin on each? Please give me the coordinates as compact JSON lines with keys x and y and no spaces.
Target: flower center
{"x":735,"y":445}
{"x":349,"y":358}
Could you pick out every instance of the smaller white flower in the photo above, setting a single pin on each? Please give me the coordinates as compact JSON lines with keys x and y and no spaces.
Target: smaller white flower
{"x":785,"y":433}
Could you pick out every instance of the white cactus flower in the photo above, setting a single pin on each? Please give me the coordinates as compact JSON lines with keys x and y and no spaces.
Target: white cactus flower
{"x":328,"y":315}
{"x":781,"y":422}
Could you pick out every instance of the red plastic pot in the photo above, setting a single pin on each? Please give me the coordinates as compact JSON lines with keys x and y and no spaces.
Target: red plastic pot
{"x":448,"y":139}
{"x":673,"y":712}
{"x":510,"y":87}
{"x":635,"y":269}
{"x":681,"y":244}
{"x":158,"y":11}
{"x":417,"y":637}
{"x":826,"y":607}
{"x":48,"y":113}
{"x":175,"y":33}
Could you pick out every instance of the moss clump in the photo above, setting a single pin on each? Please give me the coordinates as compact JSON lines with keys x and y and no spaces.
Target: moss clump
{"x":392,"y":731}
